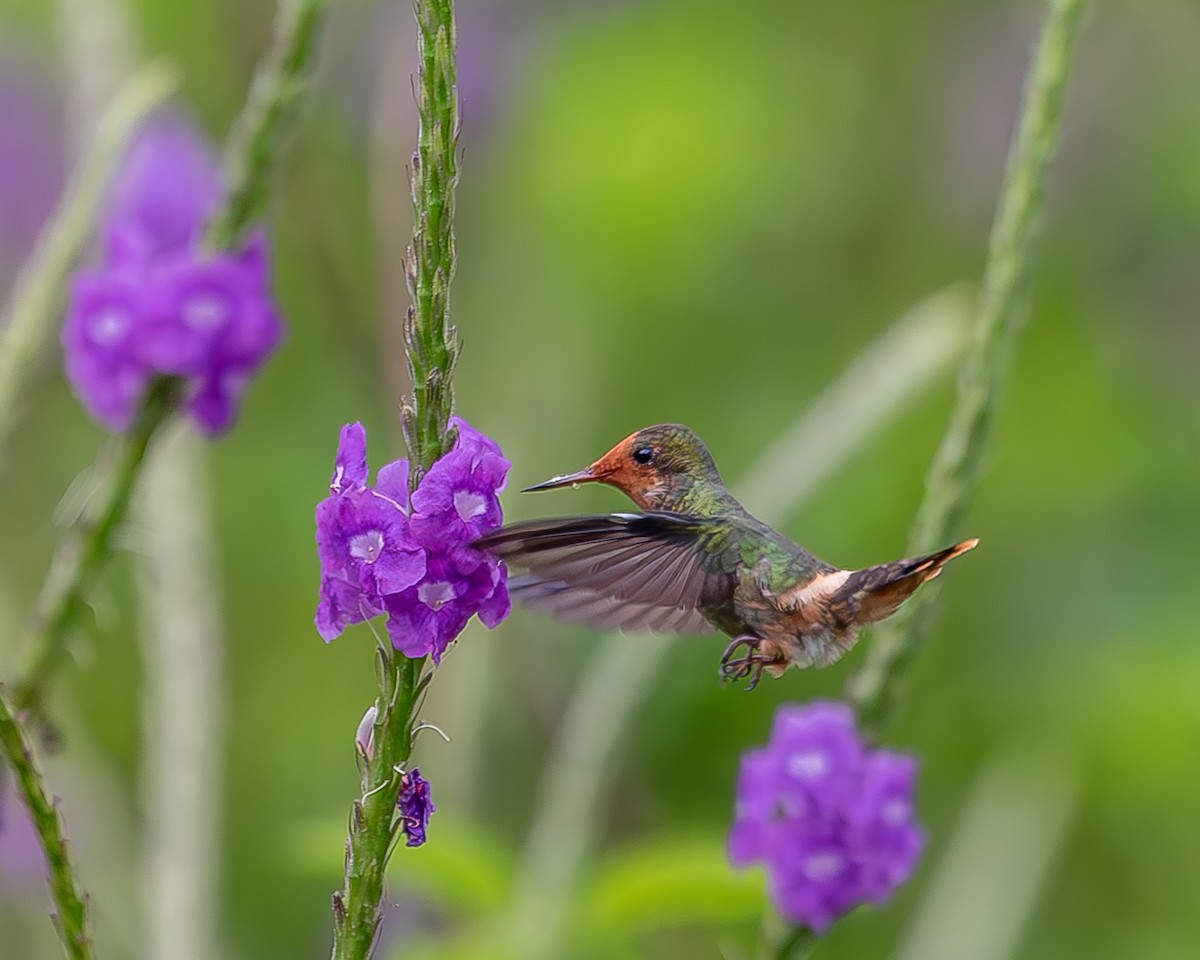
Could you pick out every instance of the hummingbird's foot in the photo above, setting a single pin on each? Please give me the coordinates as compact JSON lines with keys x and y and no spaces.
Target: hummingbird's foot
{"x":751,"y":665}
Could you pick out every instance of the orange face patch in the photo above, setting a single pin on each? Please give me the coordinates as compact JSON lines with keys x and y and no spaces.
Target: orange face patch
{"x":620,"y":469}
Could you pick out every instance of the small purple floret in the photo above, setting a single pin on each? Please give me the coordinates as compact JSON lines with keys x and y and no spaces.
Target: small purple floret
{"x":416,"y":805}
{"x":832,"y":821}
{"x":373,"y":561}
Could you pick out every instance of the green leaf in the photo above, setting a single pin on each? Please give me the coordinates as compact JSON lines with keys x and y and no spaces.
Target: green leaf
{"x":667,"y":882}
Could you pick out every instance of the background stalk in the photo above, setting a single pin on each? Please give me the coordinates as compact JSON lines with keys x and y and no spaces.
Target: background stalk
{"x":958,"y":463}
{"x":86,"y":548}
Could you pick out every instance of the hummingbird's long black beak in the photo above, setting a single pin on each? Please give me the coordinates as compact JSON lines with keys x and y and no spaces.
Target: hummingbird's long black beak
{"x":565,"y":480}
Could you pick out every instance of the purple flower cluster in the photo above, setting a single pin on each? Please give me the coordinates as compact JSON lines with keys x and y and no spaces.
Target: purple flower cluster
{"x":158,"y":305}
{"x":831,"y":820}
{"x":381,"y":554}
{"x":416,"y":805}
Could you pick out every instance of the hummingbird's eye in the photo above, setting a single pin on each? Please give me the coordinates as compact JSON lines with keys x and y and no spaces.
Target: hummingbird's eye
{"x":643,"y":455}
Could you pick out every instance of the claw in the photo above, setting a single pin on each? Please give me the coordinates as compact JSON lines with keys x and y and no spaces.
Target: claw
{"x":749,"y":642}
{"x":739,"y":668}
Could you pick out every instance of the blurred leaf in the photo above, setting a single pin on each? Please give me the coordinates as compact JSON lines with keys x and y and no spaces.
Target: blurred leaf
{"x":665,"y":882}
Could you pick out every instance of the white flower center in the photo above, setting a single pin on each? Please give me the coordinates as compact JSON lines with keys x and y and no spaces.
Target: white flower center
{"x":109,"y":327}
{"x":468,"y":505}
{"x":435,"y":595}
{"x":895,"y":812}
{"x":204,"y":312}
{"x":808,"y":766}
{"x":824,"y":866}
{"x":367,"y":546}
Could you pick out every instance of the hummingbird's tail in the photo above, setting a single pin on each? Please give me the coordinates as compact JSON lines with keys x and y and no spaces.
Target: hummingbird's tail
{"x":881,"y":589}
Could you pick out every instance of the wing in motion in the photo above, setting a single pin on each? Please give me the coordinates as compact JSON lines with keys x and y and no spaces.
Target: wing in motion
{"x":633,"y":571}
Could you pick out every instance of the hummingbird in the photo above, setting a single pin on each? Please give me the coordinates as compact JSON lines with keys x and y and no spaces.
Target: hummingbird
{"x":694,"y":560}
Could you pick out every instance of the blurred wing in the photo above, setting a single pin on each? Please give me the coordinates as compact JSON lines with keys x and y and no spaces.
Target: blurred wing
{"x":631,"y":571}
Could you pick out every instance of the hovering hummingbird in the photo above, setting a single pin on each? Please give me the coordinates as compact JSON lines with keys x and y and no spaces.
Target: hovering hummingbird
{"x":695,"y":560}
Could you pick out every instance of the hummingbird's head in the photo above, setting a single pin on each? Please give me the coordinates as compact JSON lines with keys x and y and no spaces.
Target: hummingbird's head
{"x":657,"y":467}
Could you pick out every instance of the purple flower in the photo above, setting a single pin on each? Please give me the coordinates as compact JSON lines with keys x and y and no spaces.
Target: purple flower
{"x":426,"y":618}
{"x":832,"y":821}
{"x":159,"y":306}
{"x":374,"y":560}
{"x":98,"y":338}
{"x":416,"y":805}
{"x":457,"y":499}
{"x":363,"y":541}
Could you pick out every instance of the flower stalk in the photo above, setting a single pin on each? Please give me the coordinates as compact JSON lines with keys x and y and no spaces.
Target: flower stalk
{"x":958,"y":463}
{"x":431,"y":350}
{"x":70,"y":904}
{"x":431,"y":346}
{"x":373,"y":819}
{"x":85,"y":549}
{"x":259,"y":133}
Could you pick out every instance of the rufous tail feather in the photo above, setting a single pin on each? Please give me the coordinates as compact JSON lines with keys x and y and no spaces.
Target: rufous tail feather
{"x":883,"y":588}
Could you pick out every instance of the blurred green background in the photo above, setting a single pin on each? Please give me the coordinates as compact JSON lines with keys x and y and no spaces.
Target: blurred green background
{"x":694,"y":211}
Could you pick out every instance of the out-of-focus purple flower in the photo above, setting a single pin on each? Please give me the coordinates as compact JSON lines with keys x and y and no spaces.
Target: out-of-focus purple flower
{"x":363,"y":542}
{"x":374,"y":560}
{"x":416,"y":804}
{"x":159,"y":305}
{"x":167,"y":186}
{"x":99,"y":346}
{"x":832,"y":821}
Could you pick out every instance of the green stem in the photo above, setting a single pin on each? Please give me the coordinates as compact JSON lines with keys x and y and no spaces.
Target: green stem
{"x":431,"y":351}
{"x":84,"y":550}
{"x":258,"y":133}
{"x":430,"y":340}
{"x":254,"y":149}
{"x":373,"y":816}
{"x":33,"y":312}
{"x":957,"y":465}
{"x":70,"y":918}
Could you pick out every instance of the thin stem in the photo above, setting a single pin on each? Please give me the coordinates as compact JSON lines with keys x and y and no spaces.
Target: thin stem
{"x":372,"y":820}
{"x":70,"y":917}
{"x":430,"y":340}
{"x":957,"y":465}
{"x":35,"y":308}
{"x":85,"y":549}
{"x":431,"y":352}
{"x":886,"y":379}
{"x":259,"y":132}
